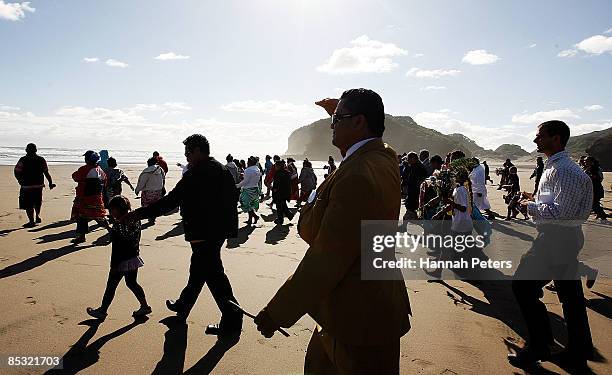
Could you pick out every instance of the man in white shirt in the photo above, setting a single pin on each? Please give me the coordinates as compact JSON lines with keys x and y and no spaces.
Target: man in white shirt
{"x":562,"y":203}
{"x":479,"y":189}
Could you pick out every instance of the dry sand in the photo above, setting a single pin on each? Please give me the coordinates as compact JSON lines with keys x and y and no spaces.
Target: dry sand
{"x":46,"y":284}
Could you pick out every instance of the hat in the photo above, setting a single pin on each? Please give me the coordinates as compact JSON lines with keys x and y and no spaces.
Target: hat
{"x":91,"y":156}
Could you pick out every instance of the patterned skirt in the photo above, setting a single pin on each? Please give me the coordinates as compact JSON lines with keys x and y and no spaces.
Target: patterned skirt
{"x":150,"y":196}
{"x":249,"y":199}
{"x":129,"y":265}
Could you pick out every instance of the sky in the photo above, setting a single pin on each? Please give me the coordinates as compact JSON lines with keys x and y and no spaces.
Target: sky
{"x":142,"y":75}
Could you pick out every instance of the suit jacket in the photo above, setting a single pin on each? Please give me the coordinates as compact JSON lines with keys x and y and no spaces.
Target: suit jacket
{"x":327,"y":283}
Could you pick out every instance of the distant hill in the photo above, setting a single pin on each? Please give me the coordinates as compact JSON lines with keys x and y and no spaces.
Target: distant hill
{"x":512,"y":152}
{"x":405,"y":135}
{"x":402,"y":133}
{"x":597,"y":144}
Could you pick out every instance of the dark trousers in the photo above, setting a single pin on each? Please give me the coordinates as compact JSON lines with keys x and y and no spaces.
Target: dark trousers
{"x":114,"y":278}
{"x":207,"y":268}
{"x":549,"y":246}
{"x":83,"y":224}
{"x":528,"y":294}
{"x":282,"y":210}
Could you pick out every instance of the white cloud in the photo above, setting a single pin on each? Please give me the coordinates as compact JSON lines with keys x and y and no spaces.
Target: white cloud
{"x":485,"y":136}
{"x":171,"y":56}
{"x":435,"y":73}
{"x":533,"y":45}
{"x":4,"y":107}
{"x":594,"y":107}
{"x":480,"y":57}
{"x":596,"y":45}
{"x":96,"y":127}
{"x":433,"y":88}
{"x":116,"y":63}
{"x":365,"y":55}
{"x":580,"y":129}
{"x":540,"y":117}
{"x":15,"y":11}
{"x":419,"y":55}
{"x":91,"y":59}
{"x":567,"y":53}
{"x":177,"y":106}
{"x":272,"y":107}
{"x":609,"y":31}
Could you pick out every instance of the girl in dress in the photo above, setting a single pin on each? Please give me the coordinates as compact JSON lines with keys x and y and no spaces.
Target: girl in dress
{"x":125,"y":259}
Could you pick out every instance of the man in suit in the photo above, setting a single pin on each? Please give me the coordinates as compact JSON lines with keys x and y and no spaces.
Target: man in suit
{"x":359,"y":322}
{"x":207,"y":223}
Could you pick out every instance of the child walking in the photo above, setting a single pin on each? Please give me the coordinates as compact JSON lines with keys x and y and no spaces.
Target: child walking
{"x":125,"y":259}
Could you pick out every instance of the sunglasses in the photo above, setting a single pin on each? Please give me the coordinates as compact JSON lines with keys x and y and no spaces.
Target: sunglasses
{"x":336,"y":118}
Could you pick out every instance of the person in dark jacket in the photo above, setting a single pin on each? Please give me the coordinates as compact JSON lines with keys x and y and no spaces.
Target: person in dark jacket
{"x":537,"y":173}
{"x":208,"y":199}
{"x":29,"y":172}
{"x":414,"y":174}
{"x":281,"y":192}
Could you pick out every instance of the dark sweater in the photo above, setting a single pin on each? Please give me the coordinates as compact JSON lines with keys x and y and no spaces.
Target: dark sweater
{"x":208,"y":199}
{"x":126,"y":242}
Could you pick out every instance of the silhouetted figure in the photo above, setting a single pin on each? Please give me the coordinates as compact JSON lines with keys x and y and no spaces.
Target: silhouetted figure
{"x":281,"y":192}
{"x":125,"y":259}
{"x":208,"y":197}
{"x":30,"y":172}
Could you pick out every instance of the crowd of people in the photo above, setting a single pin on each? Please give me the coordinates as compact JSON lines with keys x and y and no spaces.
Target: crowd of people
{"x":327,"y":284}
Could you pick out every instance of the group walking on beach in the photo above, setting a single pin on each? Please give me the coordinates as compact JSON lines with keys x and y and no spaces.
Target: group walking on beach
{"x":359,"y":322}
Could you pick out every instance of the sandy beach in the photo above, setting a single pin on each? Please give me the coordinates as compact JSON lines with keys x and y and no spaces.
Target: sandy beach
{"x":46,"y":283}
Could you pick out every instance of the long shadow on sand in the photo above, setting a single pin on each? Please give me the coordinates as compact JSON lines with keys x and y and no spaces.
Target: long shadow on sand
{"x":242,"y":237}
{"x":174,"y":232}
{"x":81,"y":355}
{"x":5,"y":232}
{"x":175,"y":345}
{"x":277,"y":234}
{"x":40,"y":259}
{"x":601,"y":305}
{"x":57,"y":224}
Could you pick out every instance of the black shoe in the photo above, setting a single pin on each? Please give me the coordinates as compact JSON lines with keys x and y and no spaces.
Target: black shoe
{"x":29,"y":224}
{"x":216,"y":330}
{"x":176,"y":307}
{"x":38,"y":220}
{"x":528,"y":357}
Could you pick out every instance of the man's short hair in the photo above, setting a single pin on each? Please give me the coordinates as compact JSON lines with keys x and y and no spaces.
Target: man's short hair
{"x":111,"y":162}
{"x":229,"y":158}
{"x":369,"y":104}
{"x":412,"y":155}
{"x":155,"y":154}
{"x":436,"y":159}
{"x":31,"y":148}
{"x":424,"y":153}
{"x":557,"y":127}
{"x":197,"y":141}
{"x":151,"y":162}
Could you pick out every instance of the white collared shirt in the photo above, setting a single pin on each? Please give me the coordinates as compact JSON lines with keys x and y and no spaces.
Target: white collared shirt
{"x":565,"y":192}
{"x":356,"y":147}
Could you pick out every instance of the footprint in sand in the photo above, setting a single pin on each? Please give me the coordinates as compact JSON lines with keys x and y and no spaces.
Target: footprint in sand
{"x":266,"y":343}
{"x":265,"y":277}
{"x":30,"y":301}
{"x":33,"y":281}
